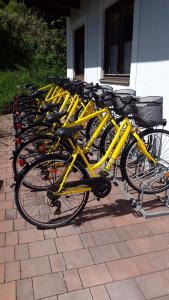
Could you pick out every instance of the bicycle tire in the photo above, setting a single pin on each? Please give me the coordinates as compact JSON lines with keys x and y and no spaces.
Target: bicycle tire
{"x":127,"y":165}
{"x":21,"y":200}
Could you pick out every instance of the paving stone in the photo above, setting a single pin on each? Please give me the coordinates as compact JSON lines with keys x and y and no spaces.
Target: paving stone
{"x":124,"y":220}
{"x":78,"y":258}
{"x":57,"y":262}
{"x":49,"y":234}
{"x":2,"y":197}
{"x":163,"y":223}
{"x":143,"y":264}
{"x":68,"y":243}
{"x":104,"y":253}
{"x":2,"y":239}
{"x":6,"y":254}
{"x":159,"y":260}
{"x":72,"y":280}
{"x":138,"y":230}
{"x":106,"y":236}
{"x":35,"y":267}
{"x":30,"y":235}
{"x":140,"y":246}
{"x":2,"y":215}
{"x":160,"y":242}
{"x":123,"y":269}
{"x":6,"y":226}
{"x":6,"y":205}
{"x":24,"y":289}
{"x":87,"y":240}
{"x":42,"y":248}
{"x":19,"y":224}
{"x":86,"y":227}
{"x":124,"y":289}
{"x":94,"y":275}
{"x":99,"y":293}
{"x":8,"y":291}
{"x":163,"y":298}
{"x":156,"y":227}
{"x":6,"y":188}
{"x":68,"y":230}
{"x":21,"y":252}
{"x":122,"y":233}
{"x":11,"y":238}
{"x":51,"y":298}
{"x":49,"y":285}
{"x":153,"y":285}
{"x":123,"y":250}
{"x":9,"y":195}
{"x":30,"y":226}
{"x":166,"y":274}
{"x":77,"y":295}
{"x":12,"y":271}
{"x":2,"y":273}
{"x":102,"y":223}
{"x":10,"y":214}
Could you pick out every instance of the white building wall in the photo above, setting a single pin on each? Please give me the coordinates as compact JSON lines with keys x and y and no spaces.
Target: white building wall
{"x":152,"y":75}
{"x":88,"y":15}
{"x":150,"y":47}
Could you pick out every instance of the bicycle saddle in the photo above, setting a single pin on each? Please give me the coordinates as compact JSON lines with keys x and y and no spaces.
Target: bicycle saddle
{"x":52,"y":118}
{"x":66,"y":133}
{"x":49,"y":107}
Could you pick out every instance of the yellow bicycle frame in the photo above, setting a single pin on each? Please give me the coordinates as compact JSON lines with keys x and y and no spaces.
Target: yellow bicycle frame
{"x":113,"y":152}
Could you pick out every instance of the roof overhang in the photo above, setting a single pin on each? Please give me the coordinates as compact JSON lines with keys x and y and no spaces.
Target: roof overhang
{"x":54,"y":8}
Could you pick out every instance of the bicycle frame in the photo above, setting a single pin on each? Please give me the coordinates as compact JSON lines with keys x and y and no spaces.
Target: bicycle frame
{"x":117,"y":143}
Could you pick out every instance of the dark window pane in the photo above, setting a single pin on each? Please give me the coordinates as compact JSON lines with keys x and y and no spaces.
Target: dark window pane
{"x":79,"y":51}
{"x":118,"y":37}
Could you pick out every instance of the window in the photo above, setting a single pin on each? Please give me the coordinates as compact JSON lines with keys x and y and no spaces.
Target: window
{"x":118,"y":40}
{"x":79,"y":45}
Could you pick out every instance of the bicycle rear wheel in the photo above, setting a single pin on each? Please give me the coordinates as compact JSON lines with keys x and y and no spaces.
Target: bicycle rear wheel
{"x":32,"y":131}
{"x":35,"y":149}
{"x":139,"y":172}
{"x":38,"y":205}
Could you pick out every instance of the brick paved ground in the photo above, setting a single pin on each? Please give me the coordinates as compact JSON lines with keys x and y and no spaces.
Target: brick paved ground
{"x":111,"y":254}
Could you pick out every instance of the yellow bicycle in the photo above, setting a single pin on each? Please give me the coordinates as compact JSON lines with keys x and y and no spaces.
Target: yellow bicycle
{"x":54,"y":190}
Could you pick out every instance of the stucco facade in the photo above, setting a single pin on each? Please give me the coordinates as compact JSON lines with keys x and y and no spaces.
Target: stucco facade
{"x":149,"y":73}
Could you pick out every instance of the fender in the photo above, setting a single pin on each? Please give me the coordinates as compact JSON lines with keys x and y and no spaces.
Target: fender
{"x":141,"y":134}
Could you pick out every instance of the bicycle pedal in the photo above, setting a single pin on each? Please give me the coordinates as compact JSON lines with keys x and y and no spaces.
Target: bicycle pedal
{"x":12,"y":185}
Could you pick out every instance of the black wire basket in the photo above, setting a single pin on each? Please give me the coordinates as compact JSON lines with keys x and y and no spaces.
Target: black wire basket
{"x":148,"y":112}
{"x":123,"y":105}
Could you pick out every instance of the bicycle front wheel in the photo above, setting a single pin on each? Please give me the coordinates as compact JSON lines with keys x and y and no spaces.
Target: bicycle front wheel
{"x":39,"y":205}
{"x":138,"y":171}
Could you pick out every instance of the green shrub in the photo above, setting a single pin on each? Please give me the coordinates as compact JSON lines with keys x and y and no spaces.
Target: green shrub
{"x":29,"y":48}
{"x":28,"y":40}
{"x":2,"y":4}
{"x":12,"y":81}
